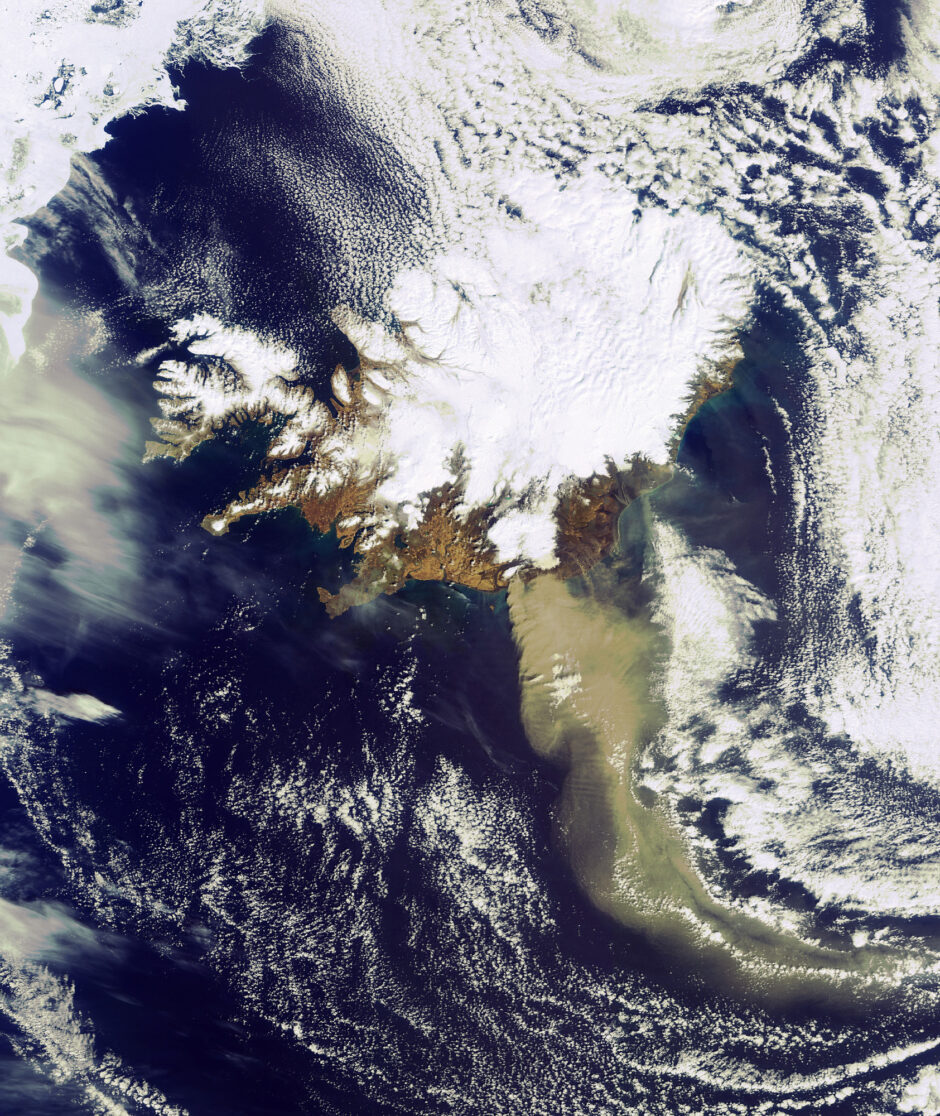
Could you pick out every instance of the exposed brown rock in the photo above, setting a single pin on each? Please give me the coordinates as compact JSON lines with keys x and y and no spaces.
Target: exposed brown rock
{"x":297,"y":484}
{"x":714,"y":380}
{"x":446,"y":545}
{"x":588,"y":511}
{"x":342,"y":508}
{"x":450,"y":543}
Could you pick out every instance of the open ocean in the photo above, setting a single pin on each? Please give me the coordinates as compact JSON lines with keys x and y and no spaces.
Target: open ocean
{"x":290,"y":865}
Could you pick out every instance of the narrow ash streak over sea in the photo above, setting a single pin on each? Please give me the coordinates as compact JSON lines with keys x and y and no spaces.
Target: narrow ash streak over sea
{"x":546,"y":236}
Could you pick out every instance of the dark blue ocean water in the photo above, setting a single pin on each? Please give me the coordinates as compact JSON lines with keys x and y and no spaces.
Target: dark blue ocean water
{"x":154,"y":996}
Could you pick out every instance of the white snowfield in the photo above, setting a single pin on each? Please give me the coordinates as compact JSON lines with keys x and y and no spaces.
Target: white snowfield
{"x":573,"y":340}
